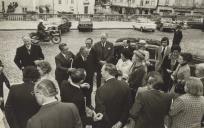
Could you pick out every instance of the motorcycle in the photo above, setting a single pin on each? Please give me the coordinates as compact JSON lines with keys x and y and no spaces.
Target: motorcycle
{"x":51,"y":34}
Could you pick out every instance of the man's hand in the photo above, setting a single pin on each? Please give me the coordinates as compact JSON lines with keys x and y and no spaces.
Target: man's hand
{"x":85,"y":85}
{"x":22,"y":68}
{"x":98,"y":116}
{"x":102,"y":62}
{"x":70,"y":70}
{"x":117,"y":125}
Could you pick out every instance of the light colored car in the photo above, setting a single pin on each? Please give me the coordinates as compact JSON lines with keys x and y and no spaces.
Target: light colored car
{"x":166,"y":24}
{"x":144,"y":24}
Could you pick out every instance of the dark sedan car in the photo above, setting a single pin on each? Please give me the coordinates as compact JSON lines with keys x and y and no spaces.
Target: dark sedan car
{"x":152,"y":46}
{"x":85,"y":24}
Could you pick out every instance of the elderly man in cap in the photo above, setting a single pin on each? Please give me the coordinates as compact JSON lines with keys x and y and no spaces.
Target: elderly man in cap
{"x":27,"y":54}
{"x":103,"y":52}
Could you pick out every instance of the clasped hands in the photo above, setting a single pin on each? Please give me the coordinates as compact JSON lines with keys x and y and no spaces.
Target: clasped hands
{"x":92,"y":113}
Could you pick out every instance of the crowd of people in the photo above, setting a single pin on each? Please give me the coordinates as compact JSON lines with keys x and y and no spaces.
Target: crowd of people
{"x":129,"y":93}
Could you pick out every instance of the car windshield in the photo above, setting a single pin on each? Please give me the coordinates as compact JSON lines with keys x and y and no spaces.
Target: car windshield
{"x":143,"y":20}
{"x":168,"y":20}
{"x":85,"y":19}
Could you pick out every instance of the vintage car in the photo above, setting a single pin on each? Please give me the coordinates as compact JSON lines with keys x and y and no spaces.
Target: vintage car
{"x":196,"y":23}
{"x":63,"y":24}
{"x":165,"y":24}
{"x":183,"y":24}
{"x":144,"y":24}
{"x":152,"y":46}
{"x":85,"y":24}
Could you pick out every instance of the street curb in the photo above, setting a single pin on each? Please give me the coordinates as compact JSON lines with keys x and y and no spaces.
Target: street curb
{"x":70,"y":29}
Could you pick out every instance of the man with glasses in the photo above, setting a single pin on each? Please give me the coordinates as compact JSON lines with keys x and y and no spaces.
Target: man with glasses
{"x":27,"y":54}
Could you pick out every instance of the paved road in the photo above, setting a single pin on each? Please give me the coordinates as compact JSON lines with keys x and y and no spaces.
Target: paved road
{"x":10,"y":40}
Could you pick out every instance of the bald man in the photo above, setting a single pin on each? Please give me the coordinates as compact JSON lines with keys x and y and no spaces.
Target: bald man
{"x":103,"y":52}
{"x":27,"y":54}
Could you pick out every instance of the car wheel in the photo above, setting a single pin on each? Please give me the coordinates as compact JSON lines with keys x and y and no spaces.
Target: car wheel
{"x":141,"y":29}
{"x":56,"y":39}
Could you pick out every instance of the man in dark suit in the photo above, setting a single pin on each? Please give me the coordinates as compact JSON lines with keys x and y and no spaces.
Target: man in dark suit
{"x":84,"y":60}
{"x":177,"y":36}
{"x":27,"y":54}
{"x":112,"y":99}
{"x":63,"y":62}
{"x":103,"y":52}
{"x":118,"y":50}
{"x":21,"y":104}
{"x":151,"y":104}
{"x":53,"y":114}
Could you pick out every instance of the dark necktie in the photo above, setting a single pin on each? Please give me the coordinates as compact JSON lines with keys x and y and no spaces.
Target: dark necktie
{"x":103,"y":51}
{"x":162,"y":53}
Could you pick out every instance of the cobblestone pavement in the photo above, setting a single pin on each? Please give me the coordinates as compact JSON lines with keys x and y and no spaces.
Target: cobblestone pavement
{"x":9,"y":40}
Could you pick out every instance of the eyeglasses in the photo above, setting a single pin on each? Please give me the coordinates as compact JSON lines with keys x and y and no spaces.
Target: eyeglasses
{"x":33,"y":93}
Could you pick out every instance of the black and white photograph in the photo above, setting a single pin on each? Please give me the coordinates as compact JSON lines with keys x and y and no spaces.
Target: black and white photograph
{"x":101,"y":63}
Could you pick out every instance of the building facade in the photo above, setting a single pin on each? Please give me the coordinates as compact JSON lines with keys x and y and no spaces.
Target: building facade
{"x":48,"y":6}
{"x":134,"y":6}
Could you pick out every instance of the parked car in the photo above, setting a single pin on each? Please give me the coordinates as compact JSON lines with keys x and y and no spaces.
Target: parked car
{"x":152,"y":46}
{"x":196,"y":23}
{"x":165,"y":24}
{"x":144,"y":24}
{"x":63,"y":24}
{"x":85,"y":24}
{"x":183,"y":24}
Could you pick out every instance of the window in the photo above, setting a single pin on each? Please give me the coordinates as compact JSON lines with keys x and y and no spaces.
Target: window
{"x":86,"y":10}
{"x":147,"y":2}
{"x":167,"y":2}
{"x":72,"y":1}
{"x":24,"y":9}
{"x":59,"y":1}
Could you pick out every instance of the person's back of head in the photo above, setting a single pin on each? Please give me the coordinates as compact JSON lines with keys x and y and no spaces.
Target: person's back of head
{"x":78,"y":75}
{"x":45,"y":90}
{"x":31,"y":74}
{"x":194,"y":86}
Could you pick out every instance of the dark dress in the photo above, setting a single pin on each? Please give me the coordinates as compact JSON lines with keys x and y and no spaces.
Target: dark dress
{"x":72,"y":94}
